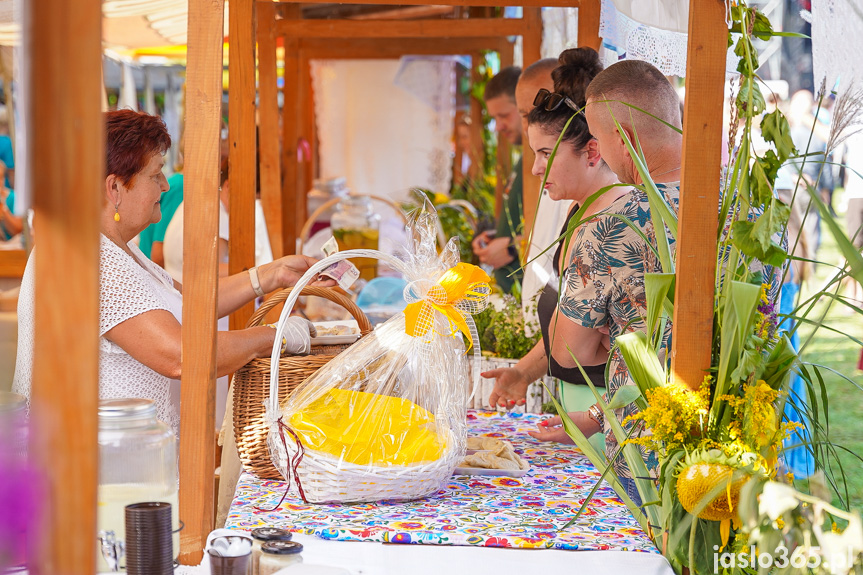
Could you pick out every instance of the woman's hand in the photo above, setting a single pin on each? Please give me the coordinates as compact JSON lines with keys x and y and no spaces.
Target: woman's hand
{"x":552,"y":429}
{"x":510,"y":387}
{"x":297,"y":338}
{"x":286,"y":272}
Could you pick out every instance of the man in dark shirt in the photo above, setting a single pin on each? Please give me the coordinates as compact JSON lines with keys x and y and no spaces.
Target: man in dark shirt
{"x":498,"y":249}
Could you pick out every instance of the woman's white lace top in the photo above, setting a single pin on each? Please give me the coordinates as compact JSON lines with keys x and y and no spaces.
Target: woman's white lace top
{"x":127,"y":289}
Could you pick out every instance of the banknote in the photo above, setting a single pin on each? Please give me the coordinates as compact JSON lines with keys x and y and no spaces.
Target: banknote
{"x":344,"y":272}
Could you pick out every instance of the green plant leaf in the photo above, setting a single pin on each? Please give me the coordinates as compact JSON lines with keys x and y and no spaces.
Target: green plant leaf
{"x":659,"y":292}
{"x":772,"y":221}
{"x":644,"y":366}
{"x":761,"y":185}
{"x":624,"y":395}
{"x":849,"y":252}
{"x":761,"y":26}
{"x":743,"y":238}
{"x":775,"y":129}
{"x":749,"y":90}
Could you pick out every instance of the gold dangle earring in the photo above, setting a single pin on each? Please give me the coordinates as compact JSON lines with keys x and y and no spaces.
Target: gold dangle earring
{"x":116,"y":212}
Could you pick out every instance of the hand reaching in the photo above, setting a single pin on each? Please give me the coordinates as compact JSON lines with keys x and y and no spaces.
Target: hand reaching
{"x":510,"y":387}
{"x":286,"y":272}
{"x":552,"y":429}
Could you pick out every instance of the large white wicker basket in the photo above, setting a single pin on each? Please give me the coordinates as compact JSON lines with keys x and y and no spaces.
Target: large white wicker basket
{"x":325,"y":479}
{"x":321,"y":478}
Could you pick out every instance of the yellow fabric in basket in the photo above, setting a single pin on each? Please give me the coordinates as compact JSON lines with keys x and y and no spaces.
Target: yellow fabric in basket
{"x":369,"y":429}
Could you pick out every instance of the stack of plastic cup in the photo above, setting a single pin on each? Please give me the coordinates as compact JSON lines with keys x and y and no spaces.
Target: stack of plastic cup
{"x":149,"y":547}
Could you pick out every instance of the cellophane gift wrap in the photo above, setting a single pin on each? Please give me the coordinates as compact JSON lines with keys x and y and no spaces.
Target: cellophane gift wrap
{"x":386,"y":419}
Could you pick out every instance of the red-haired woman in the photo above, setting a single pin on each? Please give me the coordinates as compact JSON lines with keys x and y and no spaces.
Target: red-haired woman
{"x":140,"y":305}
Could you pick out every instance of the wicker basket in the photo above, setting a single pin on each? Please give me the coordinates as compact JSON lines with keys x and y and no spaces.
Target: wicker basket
{"x":252,"y":383}
{"x":328,"y":479}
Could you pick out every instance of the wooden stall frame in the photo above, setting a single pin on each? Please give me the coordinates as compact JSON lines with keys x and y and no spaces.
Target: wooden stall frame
{"x":200,"y":274}
{"x":66,"y":175}
{"x":68,"y":238}
{"x":242,"y":158}
{"x":698,"y":218}
{"x":295,"y":183}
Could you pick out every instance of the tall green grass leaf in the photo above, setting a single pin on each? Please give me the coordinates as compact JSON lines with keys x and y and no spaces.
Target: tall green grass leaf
{"x":599,"y":462}
{"x":646,"y":487}
{"x":659,"y":292}
{"x":644,"y":366}
{"x":849,"y":252}
{"x":625,"y":395}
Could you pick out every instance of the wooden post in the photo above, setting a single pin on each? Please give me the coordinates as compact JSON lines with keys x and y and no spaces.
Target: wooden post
{"x":270,"y":168}
{"x":441,"y":28}
{"x":66,"y":147}
{"x":476,"y":120}
{"x":588,"y":24}
{"x":503,"y":165}
{"x":306,"y":123}
{"x":241,"y":157}
{"x":198,"y":396}
{"x":531,"y":48}
{"x":290,"y":135}
{"x":699,"y":198}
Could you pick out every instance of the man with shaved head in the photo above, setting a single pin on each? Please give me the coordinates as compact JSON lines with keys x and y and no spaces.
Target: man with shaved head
{"x":640,"y":85}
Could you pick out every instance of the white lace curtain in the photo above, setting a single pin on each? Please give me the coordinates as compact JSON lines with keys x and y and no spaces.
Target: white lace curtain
{"x":837,"y":43}
{"x":386,"y":125}
{"x":650,"y":30}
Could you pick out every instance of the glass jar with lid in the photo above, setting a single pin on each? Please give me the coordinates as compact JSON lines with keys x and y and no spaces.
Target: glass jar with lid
{"x":137,"y":463}
{"x":355,"y":225}
{"x":276,"y":555}
{"x":263,"y":535}
{"x":324,"y":191}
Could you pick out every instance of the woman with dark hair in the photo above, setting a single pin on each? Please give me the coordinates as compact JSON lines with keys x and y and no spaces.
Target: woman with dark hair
{"x":140,"y":305}
{"x":576,"y":173}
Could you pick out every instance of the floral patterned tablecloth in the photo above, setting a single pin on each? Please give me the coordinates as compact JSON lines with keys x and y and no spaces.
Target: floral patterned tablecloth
{"x":527,"y":512}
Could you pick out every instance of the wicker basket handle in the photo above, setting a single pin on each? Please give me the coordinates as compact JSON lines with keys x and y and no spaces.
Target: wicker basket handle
{"x":326,"y":293}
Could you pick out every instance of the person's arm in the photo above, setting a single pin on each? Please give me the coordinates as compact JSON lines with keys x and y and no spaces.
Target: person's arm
{"x":511,"y":383}
{"x":154,"y":339}
{"x":569,"y":338}
{"x":235,"y":291}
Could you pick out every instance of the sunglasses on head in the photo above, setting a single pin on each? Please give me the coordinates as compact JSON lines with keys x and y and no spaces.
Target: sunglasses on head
{"x":551,"y":101}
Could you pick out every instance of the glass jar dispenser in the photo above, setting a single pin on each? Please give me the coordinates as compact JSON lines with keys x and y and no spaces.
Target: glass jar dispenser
{"x":137,"y":464}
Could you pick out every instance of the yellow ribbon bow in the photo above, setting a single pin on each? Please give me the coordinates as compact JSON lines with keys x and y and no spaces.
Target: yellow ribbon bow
{"x":463,"y":289}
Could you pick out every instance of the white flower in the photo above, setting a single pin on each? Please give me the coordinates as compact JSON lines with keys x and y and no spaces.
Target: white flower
{"x":840,"y":550}
{"x":776,"y":499}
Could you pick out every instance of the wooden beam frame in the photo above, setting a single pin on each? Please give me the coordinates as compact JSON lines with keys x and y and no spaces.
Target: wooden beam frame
{"x":699,"y":201}
{"x":270,"y":161}
{"x":442,"y":28}
{"x":389,"y":48}
{"x":298,"y":97}
{"x":290,"y":138}
{"x":198,"y":390}
{"x":12,"y":263}
{"x":588,"y":24}
{"x":242,"y":157}
{"x":531,"y":52}
{"x":66,"y":176}
{"x":461,"y":3}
